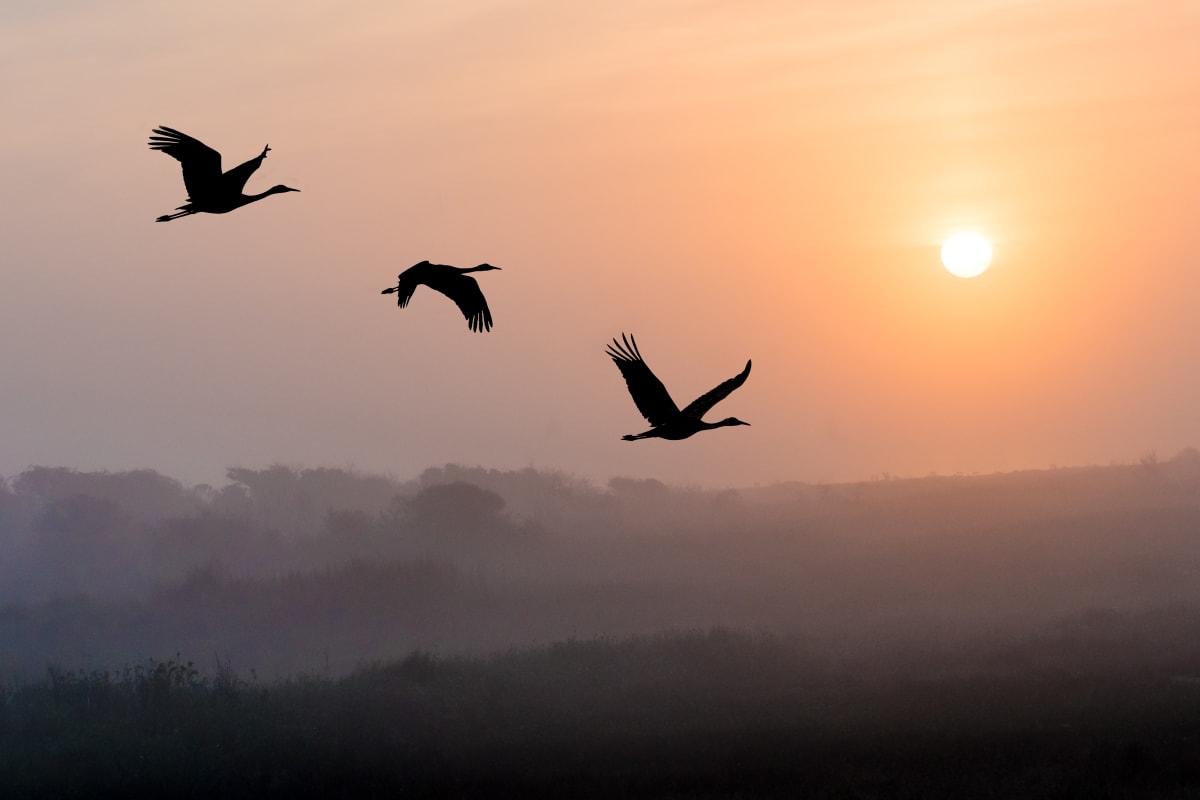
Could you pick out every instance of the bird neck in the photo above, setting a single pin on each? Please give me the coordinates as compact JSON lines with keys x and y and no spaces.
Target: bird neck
{"x":250,"y":198}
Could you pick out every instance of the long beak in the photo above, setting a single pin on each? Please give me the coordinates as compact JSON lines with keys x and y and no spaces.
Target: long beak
{"x":390,"y":290}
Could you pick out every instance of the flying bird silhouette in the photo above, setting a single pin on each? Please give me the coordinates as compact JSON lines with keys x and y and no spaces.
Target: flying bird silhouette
{"x":454,"y":282}
{"x":209,"y":190}
{"x":655,"y":403}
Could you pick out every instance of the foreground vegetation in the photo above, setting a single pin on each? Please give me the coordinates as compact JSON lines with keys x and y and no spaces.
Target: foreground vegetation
{"x":483,"y":633}
{"x":698,"y":714}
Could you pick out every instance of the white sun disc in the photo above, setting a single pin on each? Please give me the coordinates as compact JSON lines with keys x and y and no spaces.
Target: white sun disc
{"x":966,"y":254}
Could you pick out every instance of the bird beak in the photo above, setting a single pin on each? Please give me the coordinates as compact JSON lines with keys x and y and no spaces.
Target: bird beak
{"x":389,"y":290}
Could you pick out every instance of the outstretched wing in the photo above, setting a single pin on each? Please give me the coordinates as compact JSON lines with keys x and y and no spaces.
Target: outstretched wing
{"x":648,"y":392}
{"x":701,"y":405}
{"x":404,"y":289}
{"x":408,"y":281}
{"x":234,"y":181}
{"x":466,"y":294}
{"x":201,"y":164}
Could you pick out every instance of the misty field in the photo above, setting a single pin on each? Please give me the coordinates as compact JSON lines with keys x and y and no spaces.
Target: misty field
{"x":701,"y":714}
{"x":479,"y":633}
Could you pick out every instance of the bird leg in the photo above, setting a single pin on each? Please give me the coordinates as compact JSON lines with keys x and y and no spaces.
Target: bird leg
{"x":264,"y":152}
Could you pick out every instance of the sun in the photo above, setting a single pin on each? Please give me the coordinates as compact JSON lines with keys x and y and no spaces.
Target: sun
{"x":966,"y":254}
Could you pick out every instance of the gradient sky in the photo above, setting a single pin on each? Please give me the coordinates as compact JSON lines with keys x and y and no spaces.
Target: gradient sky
{"x":765,"y":179}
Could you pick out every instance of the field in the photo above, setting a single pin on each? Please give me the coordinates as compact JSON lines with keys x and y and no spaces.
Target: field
{"x":690,"y":714}
{"x":485,"y":634}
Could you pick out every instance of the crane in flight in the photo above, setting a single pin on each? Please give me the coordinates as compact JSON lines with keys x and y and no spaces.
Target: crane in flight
{"x":454,"y":282}
{"x":209,"y":190}
{"x":655,"y":403}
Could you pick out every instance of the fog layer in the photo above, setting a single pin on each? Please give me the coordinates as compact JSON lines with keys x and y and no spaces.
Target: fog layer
{"x":288,"y":571}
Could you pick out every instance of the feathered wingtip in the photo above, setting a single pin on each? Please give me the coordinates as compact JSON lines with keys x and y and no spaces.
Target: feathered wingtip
{"x":627,"y":352}
{"x":401,"y":300}
{"x":481,"y":322}
{"x":165,"y":138}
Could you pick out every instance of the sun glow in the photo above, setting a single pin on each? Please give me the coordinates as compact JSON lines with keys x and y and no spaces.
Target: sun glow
{"x":966,"y":254}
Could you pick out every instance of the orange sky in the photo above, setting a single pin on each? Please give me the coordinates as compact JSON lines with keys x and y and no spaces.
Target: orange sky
{"x":765,"y":180}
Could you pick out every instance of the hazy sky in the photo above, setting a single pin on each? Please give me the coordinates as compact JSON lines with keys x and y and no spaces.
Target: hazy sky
{"x":764,"y":179}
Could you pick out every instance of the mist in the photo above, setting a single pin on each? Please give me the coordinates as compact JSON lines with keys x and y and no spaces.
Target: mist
{"x":472,"y":630}
{"x":289,"y":570}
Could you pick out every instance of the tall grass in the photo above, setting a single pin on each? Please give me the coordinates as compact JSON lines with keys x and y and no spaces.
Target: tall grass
{"x":711,"y":713}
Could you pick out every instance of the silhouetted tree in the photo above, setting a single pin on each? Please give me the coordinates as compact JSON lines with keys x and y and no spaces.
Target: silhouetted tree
{"x":295,"y":501}
{"x":639,"y":490}
{"x":455,"y":507}
{"x":276,"y":495}
{"x":232,"y":501}
{"x":562,"y":502}
{"x":16,"y":515}
{"x":16,"y":543}
{"x":84,"y":544}
{"x":456,"y":519}
{"x":143,"y":493}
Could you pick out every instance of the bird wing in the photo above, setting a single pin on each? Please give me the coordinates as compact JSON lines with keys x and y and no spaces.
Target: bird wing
{"x":701,"y":405}
{"x":405,"y":287}
{"x":648,"y":392}
{"x":466,"y":294}
{"x":201,"y":164}
{"x":234,"y":181}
